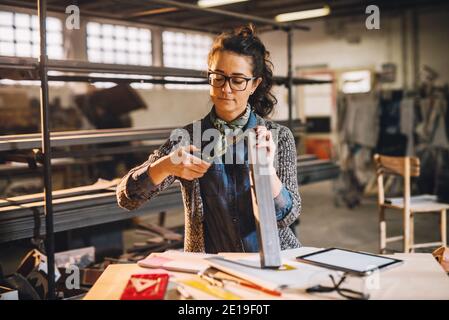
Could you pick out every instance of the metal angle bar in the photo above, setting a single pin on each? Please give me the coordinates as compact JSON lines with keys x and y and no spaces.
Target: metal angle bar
{"x":156,"y":131}
{"x":77,"y":217}
{"x":72,"y":78}
{"x":263,"y":208}
{"x":87,"y":78}
{"x":96,"y":138}
{"x":91,"y":67}
{"x":94,"y":67}
{"x":84,"y":217}
{"x":83,"y":66}
{"x":97,"y":187}
{"x":89,"y":153}
{"x":80,"y":196}
{"x":69,"y":138}
{"x":69,"y":202}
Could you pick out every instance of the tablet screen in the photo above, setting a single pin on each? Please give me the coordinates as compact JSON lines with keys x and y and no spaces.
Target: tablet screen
{"x":349,"y":260}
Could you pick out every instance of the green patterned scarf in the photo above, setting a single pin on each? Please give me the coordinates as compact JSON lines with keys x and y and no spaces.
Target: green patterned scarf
{"x":226,"y":130}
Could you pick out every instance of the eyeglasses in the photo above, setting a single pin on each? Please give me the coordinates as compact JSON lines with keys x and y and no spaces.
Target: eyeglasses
{"x":236,"y":83}
{"x":344,"y":292}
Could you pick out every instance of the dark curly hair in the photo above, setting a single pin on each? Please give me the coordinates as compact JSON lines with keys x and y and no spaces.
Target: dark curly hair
{"x":244,"y":41}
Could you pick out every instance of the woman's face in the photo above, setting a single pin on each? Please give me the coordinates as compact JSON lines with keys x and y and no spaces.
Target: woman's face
{"x":230,"y":103}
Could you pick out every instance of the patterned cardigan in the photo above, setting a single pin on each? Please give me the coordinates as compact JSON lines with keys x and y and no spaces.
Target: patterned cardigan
{"x":136,"y":188}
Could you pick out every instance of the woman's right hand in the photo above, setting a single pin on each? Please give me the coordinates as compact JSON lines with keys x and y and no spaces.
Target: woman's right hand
{"x":180,"y":163}
{"x":185,"y":165}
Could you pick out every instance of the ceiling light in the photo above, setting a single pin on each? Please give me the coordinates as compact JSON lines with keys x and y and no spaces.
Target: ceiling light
{"x":301,"y":15}
{"x":216,"y":3}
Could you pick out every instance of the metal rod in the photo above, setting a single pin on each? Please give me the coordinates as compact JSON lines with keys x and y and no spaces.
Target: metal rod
{"x":158,"y":132}
{"x":83,"y":66}
{"x":87,"y":137}
{"x":416,"y":63}
{"x":404,"y":50}
{"x":93,"y":67}
{"x":46,"y":149}
{"x":242,"y":16}
{"x":290,"y":78}
{"x":72,"y":78}
{"x":20,"y":142}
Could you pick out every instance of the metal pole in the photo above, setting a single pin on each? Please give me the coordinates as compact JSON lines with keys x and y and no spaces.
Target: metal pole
{"x":46,"y":149}
{"x":404,"y":51}
{"x":290,"y":78}
{"x":416,"y":63}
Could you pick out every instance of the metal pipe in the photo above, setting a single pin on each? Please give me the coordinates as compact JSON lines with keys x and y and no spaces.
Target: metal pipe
{"x":404,"y":51}
{"x":30,"y":64}
{"x":88,"y":67}
{"x":242,"y":16}
{"x":72,"y":78}
{"x":290,"y":78}
{"x":416,"y":63}
{"x":46,"y":149}
{"x":15,"y":142}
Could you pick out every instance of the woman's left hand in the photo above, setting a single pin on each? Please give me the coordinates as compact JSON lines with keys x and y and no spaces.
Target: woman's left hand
{"x":264,"y":139}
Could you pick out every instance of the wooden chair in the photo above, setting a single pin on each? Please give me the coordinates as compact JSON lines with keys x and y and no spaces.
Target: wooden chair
{"x":406,"y":167}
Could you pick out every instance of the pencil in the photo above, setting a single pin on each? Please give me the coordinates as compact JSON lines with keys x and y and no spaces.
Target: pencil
{"x":256,"y":287}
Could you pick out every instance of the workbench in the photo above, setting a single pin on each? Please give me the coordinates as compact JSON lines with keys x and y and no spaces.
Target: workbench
{"x":419,"y":277}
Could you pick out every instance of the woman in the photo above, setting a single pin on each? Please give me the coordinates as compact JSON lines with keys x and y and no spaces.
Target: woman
{"x":217,"y":195}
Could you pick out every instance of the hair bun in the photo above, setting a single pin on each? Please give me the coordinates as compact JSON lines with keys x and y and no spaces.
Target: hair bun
{"x":247,"y":31}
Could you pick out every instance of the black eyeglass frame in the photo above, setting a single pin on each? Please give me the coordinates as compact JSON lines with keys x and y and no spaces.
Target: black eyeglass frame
{"x":228,"y":79}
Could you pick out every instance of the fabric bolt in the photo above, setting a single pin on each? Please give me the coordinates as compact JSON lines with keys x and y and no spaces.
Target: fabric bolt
{"x":407,"y":123}
{"x":439,"y":137}
{"x":361,"y":124}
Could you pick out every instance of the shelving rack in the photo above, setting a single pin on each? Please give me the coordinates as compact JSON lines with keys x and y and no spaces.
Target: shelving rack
{"x":78,"y":71}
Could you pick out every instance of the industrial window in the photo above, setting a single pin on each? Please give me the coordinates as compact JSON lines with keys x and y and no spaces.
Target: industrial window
{"x":185,"y":50}
{"x":19,"y":35}
{"x":108,"y":43}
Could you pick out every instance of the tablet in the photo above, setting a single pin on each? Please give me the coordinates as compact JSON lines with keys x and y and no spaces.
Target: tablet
{"x":353,"y":262}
